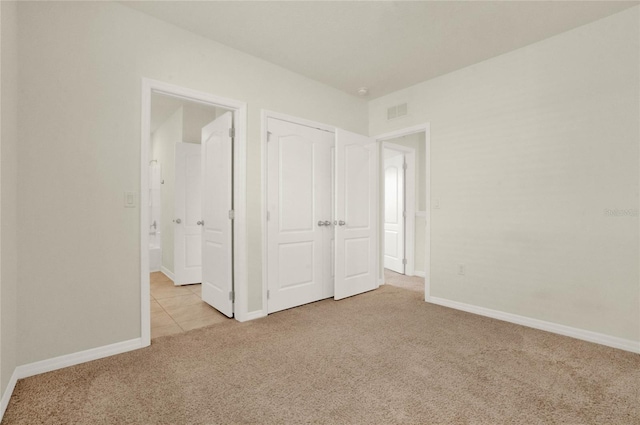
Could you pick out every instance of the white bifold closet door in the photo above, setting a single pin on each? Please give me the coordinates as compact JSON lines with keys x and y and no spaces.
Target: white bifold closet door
{"x":217,"y":225}
{"x":299,"y":226}
{"x":357,"y":214}
{"x":322,"y":214}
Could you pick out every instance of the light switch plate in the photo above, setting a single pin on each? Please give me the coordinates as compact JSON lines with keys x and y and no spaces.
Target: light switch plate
{"x":130,"y":199}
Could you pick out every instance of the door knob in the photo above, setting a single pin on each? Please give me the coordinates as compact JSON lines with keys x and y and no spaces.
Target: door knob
{"x":341,"y":223}
{"x":200,"y":223}
{"x":178,"y":221}
{"x":321,"y":223}
{"x":327,"y":223}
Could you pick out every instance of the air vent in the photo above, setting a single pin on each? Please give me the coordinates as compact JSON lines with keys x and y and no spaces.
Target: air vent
{"x":397,"y":111}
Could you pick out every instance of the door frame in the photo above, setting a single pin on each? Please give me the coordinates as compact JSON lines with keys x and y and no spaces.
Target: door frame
{"x":239,"y":110}
{"x":409,"y":187}
{"x":265,"y":115}
{"x":420,"y":128}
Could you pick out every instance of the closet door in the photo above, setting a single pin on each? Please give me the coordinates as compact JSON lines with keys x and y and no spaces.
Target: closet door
{"x":356,"y":235}
{"x":300,"y":220}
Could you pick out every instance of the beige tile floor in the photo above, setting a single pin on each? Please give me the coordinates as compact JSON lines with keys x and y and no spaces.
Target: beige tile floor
{"x":176,"y":309}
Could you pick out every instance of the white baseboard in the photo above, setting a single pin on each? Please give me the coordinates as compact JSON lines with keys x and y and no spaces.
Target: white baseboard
{"x":598,"y":338}
{"x":6,"y":396}
{"x":167,"y":273}
{"x":252,"y":315}
{"x":31,"y":369}
{"x":60,"y":362}
{"x":419,"y":273}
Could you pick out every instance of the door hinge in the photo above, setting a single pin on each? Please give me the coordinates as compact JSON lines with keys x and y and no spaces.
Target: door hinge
{"x":232,"y":214}
{"x":404,"y":166}
{"x":232,"y":132}
{"x":268,"y":294}
{"x":232,"y":296}
{"x":268,"y":136}
{"x":404,"y":261}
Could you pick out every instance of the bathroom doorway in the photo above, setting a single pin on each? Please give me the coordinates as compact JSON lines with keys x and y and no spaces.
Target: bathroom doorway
{"x":193,"y":147}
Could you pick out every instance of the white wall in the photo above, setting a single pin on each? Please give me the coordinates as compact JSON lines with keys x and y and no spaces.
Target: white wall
{"x":195,"y":117}
{"x":163,"y":143}
{"x":528,"y":152}
{"x":8,"y":194}
{"x":81,"y":65}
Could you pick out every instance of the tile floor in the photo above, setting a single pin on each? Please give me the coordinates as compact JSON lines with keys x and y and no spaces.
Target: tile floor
{"x":176,"y":309}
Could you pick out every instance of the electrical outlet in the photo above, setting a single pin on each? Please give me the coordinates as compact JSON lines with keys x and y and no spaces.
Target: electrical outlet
{"x":461,"y":269}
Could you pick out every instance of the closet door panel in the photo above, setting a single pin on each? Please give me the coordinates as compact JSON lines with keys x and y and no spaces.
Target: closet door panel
{"x":298,"y":189}
{"x":356,"y":213}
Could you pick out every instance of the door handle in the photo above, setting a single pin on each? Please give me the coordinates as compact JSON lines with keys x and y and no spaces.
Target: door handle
{"x":177,"y":220}
{"x":327,"y":223}
{"x":322,"y":223}
{"x":200,"y":223}
{"x":341,"y":223}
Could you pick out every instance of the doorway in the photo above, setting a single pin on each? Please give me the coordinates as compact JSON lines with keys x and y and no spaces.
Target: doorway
{"x":399,"y":171}
{"x":404,"y":212}
{"x":192,"y":206}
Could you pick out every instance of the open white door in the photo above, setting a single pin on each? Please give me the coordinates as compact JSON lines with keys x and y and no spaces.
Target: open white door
{"x":356,"y":235}
{"x":217,"y":207}
{"x":188,"y":211}
{"x":394,"y":210}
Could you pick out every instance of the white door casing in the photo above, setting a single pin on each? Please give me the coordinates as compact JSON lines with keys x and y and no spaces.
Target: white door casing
{"x":217,"y":202}
{"x":394,"y":208}
{"x":187,"y":212}
{"x":356,"y":237}
{"x":300,"y":222}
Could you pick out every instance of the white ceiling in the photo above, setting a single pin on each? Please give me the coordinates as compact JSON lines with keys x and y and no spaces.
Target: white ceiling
{"x":383,"y":45}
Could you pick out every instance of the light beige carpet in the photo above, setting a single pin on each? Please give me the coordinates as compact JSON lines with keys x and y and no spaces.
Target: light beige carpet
{"x":379,"y":358}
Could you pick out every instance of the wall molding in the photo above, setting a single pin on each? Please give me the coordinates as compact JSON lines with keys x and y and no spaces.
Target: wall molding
{"x":8,"y":392}
{"x":252,"y":315}
{"x":60,"y":362}
{"x":165,"y":271}
{"x":582,"y":334}
{"x":55,"y":363}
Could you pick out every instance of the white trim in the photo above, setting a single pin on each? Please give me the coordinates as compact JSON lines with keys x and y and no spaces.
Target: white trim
{"x":409,"y":205}
{"x":598,"y":338}
{"x":165,"y":271}
{"x":426,"y":128}
{"x":73,"y":359}
{"x":403,"y":132}
{"x":253,"y":315}
{"x":419,"y":273}
{"x":296,"y":120}
{"x":8,"y":392}
{"x":239,"y":193}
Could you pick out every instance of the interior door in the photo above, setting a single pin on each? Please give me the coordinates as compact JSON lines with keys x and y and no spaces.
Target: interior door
{"x":299,"y":226}
{"x":394,"y":210}
{"x":217,"y":206}
{"x":188,"y":211}
{"x":356,"y":235}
